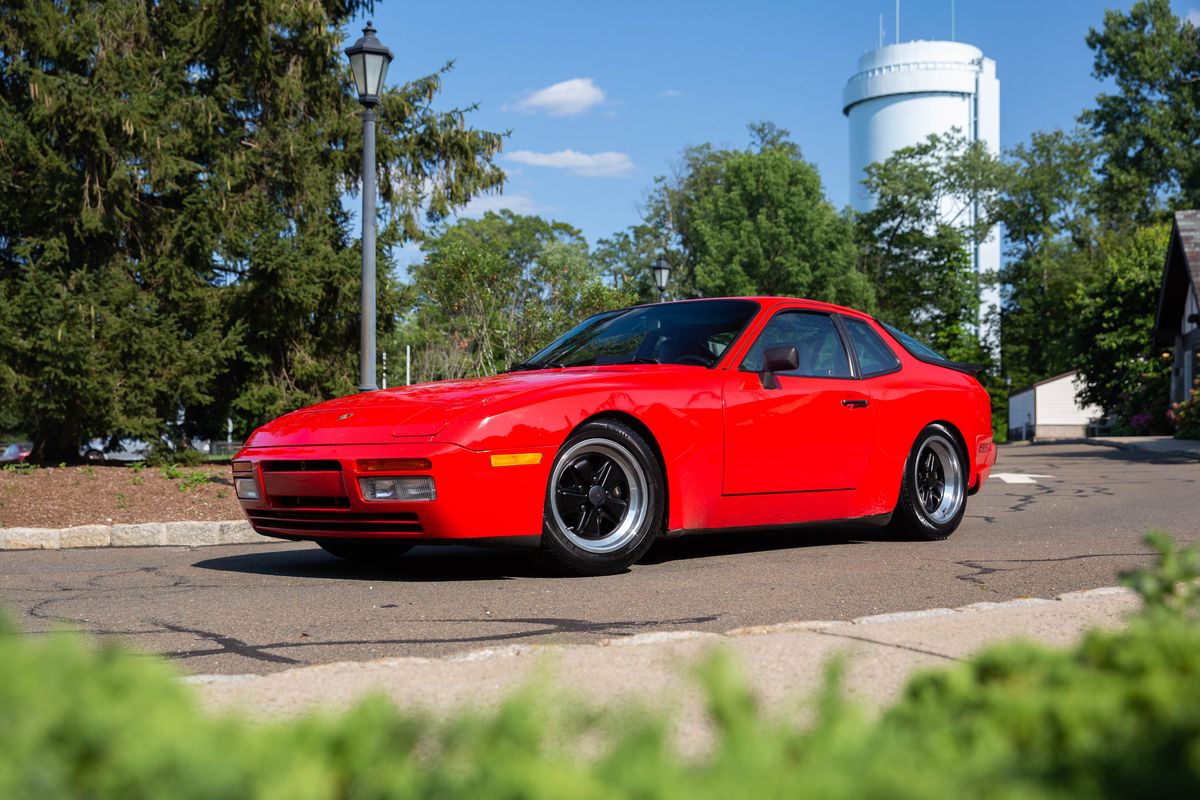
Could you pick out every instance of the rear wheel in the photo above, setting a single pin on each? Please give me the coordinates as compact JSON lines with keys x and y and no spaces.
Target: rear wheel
{"x":604,"y":502}
{"x":933,"y":491}
{"x":362,"y":552}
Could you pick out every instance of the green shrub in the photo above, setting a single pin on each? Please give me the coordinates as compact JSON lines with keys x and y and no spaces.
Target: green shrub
{"x":183,"y":457}
{"x":192,"y":480}
{"x":1116,"y":716}
{"x":1185,"y":416}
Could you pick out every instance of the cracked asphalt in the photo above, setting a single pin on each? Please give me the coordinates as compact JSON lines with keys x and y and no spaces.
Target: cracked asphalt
{"x":263,"y":608}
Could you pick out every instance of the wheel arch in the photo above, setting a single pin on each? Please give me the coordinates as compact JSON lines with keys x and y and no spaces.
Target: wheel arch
{"x":959,"y":440}
{"x":651,"y":441}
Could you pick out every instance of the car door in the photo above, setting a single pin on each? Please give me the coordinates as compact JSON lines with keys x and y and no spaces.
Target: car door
{"x":814,"y":432}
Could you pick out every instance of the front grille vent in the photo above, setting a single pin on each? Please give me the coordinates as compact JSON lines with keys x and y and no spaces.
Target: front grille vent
{"x":333,"y":522}
{"x":292,"y":501}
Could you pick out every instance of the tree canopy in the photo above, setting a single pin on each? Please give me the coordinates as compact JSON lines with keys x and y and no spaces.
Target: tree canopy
{"x":744,"y":222}
{"x":1123,"y":370}
{"x":494,"y":289}
{"x":173,"y":243}
{"x":1147,"y":130}
{"x":934,"y":202}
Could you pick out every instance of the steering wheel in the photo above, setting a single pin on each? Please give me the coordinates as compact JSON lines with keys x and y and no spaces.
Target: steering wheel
{"x":695,"y":358}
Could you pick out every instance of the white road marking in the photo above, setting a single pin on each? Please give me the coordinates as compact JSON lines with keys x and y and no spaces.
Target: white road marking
{"x":1016,"y":477}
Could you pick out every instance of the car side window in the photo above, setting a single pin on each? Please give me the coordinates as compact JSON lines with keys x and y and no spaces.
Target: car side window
{"x":817,"y":343}
{"x":874,"y":356}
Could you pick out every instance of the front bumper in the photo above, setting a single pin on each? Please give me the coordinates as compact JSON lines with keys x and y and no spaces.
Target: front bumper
{"x":313,"y":492}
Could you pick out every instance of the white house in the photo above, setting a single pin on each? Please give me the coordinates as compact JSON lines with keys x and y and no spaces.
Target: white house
{"x":1049,"y":410}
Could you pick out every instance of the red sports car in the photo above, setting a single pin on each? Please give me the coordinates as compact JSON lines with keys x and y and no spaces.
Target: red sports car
{"x":649,"y":421}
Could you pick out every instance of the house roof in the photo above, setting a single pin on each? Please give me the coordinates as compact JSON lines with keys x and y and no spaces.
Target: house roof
{"x":1073,"y":374}
{"x":1181,"y":274}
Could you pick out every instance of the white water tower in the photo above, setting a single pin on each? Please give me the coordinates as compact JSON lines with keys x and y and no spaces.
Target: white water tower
{"x":904,"y":92}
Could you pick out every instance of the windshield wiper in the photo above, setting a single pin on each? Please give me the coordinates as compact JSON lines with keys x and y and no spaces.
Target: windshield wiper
{"x":531,"y":365}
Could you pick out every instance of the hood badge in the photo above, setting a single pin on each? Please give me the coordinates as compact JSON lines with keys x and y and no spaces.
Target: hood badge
{"x":347,"y":415}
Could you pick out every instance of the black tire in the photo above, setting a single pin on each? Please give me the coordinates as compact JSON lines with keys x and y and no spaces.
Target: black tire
{"x":604,"y":500}
{"x":933,"y":490}
{"x":365,"y":552}
{"x":94,"y":456}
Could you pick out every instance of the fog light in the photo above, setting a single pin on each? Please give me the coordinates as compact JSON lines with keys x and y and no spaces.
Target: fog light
{"x":247,"y":488}
{"x":406,"y":489}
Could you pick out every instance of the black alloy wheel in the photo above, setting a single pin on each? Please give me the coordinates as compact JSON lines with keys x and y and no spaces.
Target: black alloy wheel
{"x":933,"y":489}
{"x":604,"y":500}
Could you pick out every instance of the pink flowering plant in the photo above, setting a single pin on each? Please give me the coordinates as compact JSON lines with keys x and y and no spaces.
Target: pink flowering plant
{"x":1185,"y":416}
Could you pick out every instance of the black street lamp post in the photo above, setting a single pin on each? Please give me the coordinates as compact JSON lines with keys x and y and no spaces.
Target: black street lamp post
{"x":662,"y":273}
{"x":369,"y":61}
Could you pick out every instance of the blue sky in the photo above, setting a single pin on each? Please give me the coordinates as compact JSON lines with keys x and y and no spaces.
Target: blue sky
{"x":601,"y":97}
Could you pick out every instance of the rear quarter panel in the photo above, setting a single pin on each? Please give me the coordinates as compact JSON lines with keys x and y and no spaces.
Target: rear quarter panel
{"x":916,"y":396}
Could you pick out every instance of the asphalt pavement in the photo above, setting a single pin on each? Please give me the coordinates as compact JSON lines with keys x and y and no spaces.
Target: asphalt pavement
{"x":1053,"y":519}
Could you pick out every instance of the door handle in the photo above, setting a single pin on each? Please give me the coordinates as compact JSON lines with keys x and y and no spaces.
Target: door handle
{"x":856,"y":403}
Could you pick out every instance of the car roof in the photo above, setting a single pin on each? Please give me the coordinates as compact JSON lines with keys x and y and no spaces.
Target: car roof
{"x":771,"y":302}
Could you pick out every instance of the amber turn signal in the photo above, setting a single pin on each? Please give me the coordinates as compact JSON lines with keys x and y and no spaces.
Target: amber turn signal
{"x":243,"y":467}
{"x":393,"y":464}
{"x":516,"y":459}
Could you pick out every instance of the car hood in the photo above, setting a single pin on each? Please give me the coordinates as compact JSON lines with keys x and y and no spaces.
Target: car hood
{"x":407,"y":412}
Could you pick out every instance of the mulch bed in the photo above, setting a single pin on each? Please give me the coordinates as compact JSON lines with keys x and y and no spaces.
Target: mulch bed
{"x":59,"y":497}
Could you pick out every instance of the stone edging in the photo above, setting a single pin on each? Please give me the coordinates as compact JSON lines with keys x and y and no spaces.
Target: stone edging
{"x":150,"y":534}
{"x":666,"y":637}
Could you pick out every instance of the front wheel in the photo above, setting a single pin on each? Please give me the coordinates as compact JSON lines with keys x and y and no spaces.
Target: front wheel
{"x":933,"y":491}
{"x":604,"y":501}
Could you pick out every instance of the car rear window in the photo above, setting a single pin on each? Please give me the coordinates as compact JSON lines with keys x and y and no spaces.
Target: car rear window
{"x":874,"y":356}
{"x":919,"y":350}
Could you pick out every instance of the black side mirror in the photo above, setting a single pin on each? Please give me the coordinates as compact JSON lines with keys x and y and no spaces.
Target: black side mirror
{"x":778,"y":359}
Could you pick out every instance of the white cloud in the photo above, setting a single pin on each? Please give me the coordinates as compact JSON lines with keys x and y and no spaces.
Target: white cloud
{"x":1193,"y":16}
{"x":593,"y":165}
{"x":518,"y":203}
{"x":670,"y":93}
{"x":563,"y":99}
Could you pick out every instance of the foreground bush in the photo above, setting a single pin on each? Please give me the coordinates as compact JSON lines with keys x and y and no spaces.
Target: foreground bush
{"x":1117,"y":716}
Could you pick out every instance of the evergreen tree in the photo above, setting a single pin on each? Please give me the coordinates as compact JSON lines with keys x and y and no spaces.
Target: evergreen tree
{"x":172,"y":234}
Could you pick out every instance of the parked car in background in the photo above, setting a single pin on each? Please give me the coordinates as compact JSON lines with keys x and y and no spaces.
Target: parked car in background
{"x":15,"y":453}
{"x":108,"y":449}
{"x":648,"y":421}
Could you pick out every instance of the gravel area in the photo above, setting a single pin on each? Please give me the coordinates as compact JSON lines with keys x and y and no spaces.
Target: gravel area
{"x":59,"y":497}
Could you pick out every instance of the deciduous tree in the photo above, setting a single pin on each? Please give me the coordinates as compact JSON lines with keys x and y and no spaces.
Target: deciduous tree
{"x":934,"y":202}
{"x":498,"y":288}
{"x":1148,"y":128}
{"x":753,"y":221}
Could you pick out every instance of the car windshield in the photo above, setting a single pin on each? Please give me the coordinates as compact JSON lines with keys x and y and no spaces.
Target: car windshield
{"x":918,"y":349}
{"x":695,"y":333}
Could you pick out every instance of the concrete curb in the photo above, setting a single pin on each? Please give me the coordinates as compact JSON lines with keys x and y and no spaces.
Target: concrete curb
{"x":1129,"y":447}
{"x":150,"y":534}
{"x":782,"y":664}
{"x":659,"y":638}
